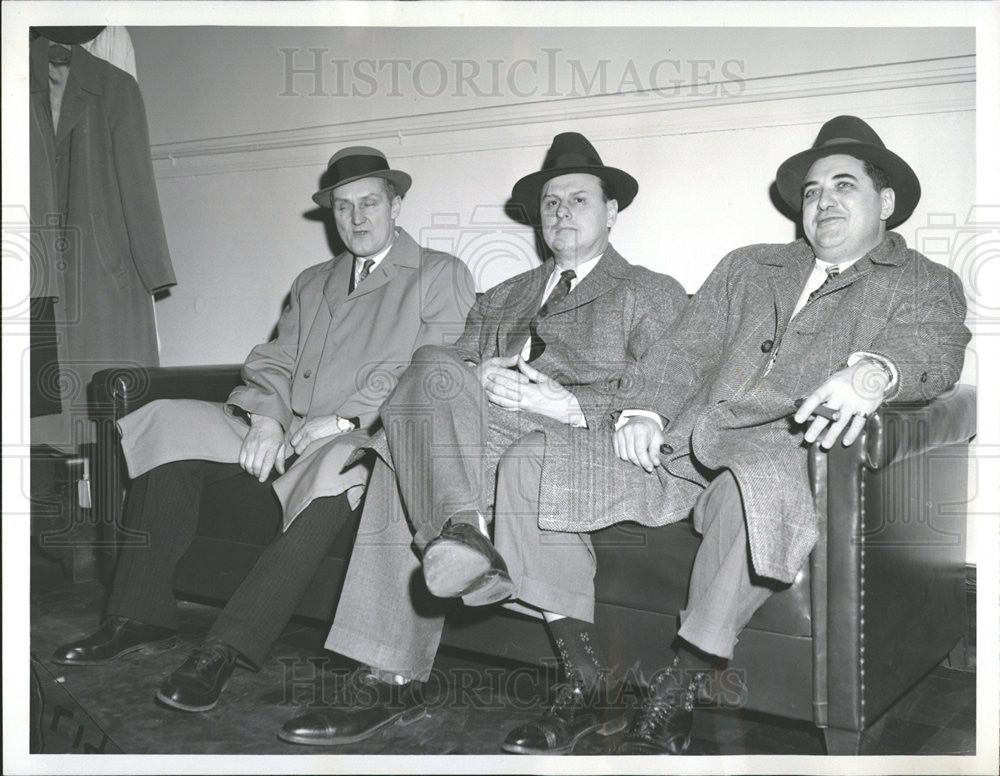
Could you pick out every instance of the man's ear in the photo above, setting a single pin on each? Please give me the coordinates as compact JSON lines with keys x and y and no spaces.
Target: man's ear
{"x":612,"y":208}
{"x":888,"y":197}
{"x":397,"y":203}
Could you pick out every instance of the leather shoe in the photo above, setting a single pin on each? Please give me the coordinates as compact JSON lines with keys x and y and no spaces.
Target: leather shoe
{"x":199,"y":681}
{"x":662,"y":725}
{"x":367,"y":706}
{"x":117,"y":636}
{"x":463,"y":562}
{"x":576,"y":713}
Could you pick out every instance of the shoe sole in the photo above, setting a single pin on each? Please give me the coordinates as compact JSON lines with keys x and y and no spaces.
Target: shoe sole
{"x":607,"y":729}
{"x":451,"y":568}
{"x":184,"y":706}
{"x":403,"y":718}
{"x":149,"y":648}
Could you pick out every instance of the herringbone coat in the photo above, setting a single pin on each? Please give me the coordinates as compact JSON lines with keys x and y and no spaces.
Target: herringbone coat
{"x":729,"y":407}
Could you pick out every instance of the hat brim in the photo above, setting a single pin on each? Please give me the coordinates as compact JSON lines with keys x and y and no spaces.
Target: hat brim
{"x":402,"y":181}
{"x":527,"y":192}
{"x":902,"y":178}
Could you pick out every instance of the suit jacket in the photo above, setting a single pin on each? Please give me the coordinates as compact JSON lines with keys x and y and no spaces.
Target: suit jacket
{"x":727,"y":409}
{"x":593,"y":336}
{"x":99,"y":243}
{"x":335,"y":352}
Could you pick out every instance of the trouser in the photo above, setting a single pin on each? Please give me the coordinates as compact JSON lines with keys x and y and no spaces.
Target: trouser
{"x":724,"y":592}
{"x":163,"y":505}
{"x":387,"y":619}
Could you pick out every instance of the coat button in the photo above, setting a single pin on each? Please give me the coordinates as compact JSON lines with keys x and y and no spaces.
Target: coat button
{"x":307,"y":373}
{"x":666,"y":449}
{"x":923,"y":377}
{"x":59,"y":159}
{"x":766,"y":345}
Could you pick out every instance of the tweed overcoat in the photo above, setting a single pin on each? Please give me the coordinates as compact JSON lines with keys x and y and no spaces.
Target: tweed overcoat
{"x":335,"y":353}
{"x":727,"y":376}
{"x":98,"y":238}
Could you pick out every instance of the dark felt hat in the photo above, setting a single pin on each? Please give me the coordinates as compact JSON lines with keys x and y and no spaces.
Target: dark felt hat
{"x":355,"y":163}
{"x":571,"y":152}
{"x":852,"y":136}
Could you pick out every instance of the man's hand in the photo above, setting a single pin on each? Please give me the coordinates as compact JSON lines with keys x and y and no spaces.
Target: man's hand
{"x":263,"y":448}
{"x":492,"y":366}
{"x":855,"y":392}
{"x":639,"y":441}
{"x":529,"y":390}
{"x":313,"y":429}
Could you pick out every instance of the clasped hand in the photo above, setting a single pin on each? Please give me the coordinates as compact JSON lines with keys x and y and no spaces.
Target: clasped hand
{"x":513,"y":384}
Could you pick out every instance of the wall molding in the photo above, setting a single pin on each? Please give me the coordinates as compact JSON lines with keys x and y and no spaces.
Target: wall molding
{"x":920,"y":87}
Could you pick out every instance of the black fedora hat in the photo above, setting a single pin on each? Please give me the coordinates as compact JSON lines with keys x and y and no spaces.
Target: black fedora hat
{"x":569,"y":153}
{"x":355,"y":163}
{"x":852,"y":136}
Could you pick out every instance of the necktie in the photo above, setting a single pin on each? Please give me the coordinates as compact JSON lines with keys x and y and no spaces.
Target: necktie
{"x":366,"y":270}
{"x":831,"y":273}
{"x":558,"y":294}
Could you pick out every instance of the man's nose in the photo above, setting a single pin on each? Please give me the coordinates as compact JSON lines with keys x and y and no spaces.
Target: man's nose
{"x":562,"y":210}
{"x":357,"y":216}
{"x":826,"y":198}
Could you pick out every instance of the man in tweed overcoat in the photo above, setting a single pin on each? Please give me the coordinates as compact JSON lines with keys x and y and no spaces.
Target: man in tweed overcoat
{"x":847,"y":318}
{"x":542,"y":353}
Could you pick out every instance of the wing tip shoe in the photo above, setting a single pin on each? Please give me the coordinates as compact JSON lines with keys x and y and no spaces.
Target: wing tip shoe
{"x":461,"y":562}
{"x":199,"y":681}
{"x":116,"y":637}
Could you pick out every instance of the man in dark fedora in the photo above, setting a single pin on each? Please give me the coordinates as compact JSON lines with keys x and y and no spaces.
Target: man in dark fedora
{"x":309,"y":398}
{"x":842,"y":320}
{"x":543,"y":352}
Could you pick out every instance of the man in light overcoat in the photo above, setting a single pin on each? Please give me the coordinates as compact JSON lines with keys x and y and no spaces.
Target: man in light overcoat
{"x":841,"y":321}
{"x":309,"y":398}
{"x":542,"y":354}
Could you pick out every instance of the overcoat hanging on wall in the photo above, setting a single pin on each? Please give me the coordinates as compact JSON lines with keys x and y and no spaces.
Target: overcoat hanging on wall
{"x":98,"y":243}
{"x":335,"y":353}
{"x":726,"y":410}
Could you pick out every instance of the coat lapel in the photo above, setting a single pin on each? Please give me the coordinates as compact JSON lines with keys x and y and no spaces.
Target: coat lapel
{"x":606,"y":275}
{"x":887,"y":252}
{"x":81,"y":87}
{"x":788,"y":270}
{"x":404,"y":253}
{"x":526,"y":295}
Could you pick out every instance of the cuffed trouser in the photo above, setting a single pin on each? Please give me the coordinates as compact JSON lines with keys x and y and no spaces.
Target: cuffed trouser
{"x":164,"y":504}
{"x":724,"y":593}
{"x":387,"y":619}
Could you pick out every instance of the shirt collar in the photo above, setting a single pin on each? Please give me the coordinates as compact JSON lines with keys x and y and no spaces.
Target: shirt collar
{"x":582,"y":269}
{"x":359,"y":262}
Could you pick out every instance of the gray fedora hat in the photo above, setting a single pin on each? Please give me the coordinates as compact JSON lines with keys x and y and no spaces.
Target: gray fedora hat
{"x":355,"y":163}
{"x":852,"y":136}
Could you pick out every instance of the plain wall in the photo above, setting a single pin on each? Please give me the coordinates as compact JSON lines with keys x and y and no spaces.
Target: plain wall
{"x":701,"y":117}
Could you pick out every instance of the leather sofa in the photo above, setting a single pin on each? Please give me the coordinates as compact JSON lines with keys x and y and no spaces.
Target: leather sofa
{"x":879,"y":604}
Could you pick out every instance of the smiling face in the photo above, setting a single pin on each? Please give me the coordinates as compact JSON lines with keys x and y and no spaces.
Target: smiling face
{"x":365,"y":215}
{"x":843,"y":214}
{"x":576,"y":220}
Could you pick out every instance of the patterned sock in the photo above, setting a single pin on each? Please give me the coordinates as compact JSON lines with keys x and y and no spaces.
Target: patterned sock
{"x":579,"y":650}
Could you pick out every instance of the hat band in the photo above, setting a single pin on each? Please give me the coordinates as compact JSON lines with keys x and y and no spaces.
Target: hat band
{"x":357,"y":167}
{"x":841,"y":140}
{"x":573,"y":160}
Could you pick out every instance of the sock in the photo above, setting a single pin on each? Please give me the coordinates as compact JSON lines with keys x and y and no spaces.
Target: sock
{"x":686,"y":664}
{"x":578,"y":647}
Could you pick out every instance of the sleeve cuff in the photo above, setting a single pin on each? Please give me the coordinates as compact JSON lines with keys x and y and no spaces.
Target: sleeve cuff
{"x":628,"y":414}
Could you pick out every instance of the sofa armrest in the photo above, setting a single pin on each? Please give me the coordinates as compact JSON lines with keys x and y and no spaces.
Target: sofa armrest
{"x":886,"y":572}
{"x":116,"y":392}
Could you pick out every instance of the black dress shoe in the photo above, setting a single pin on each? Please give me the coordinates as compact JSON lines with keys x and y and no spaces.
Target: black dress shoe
{"x":117,"y":636}
{"x":197,"y":684}
{"x":365,"y":707}
{"x":662,"y":725}
{"x":463,"y":562}
{"x":576,"y":713}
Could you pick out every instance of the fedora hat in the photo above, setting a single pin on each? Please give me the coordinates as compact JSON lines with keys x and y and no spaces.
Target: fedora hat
{"x":355,"y":163}
{"x":852,"y":136}
{"x":569,"y":153}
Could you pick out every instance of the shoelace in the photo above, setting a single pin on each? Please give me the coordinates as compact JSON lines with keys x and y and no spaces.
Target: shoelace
{"x":658,"y":709}
{"x":210,"y":654}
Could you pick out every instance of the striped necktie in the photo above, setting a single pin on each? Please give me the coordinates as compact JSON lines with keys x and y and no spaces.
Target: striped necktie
{"x":366,"y":270}
{"x":831,"y":273}
{"x":558,"y":294}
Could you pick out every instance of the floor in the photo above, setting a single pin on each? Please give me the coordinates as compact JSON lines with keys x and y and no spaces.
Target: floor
{"x":111,"y":708}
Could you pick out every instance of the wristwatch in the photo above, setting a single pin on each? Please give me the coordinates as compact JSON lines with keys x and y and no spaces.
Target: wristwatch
{"x":345,"y":424}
